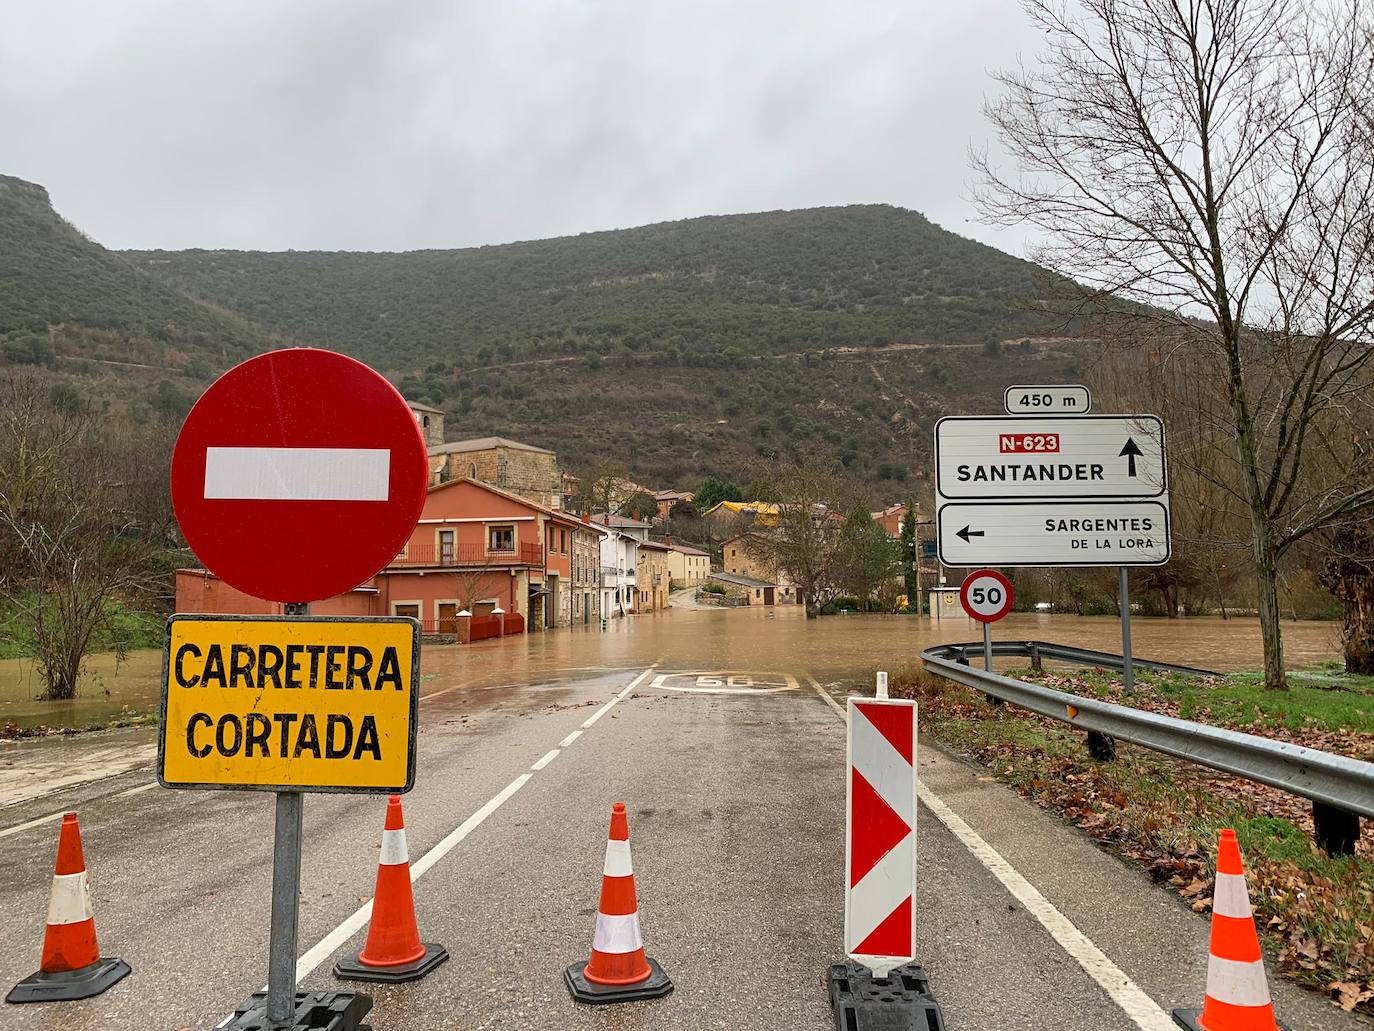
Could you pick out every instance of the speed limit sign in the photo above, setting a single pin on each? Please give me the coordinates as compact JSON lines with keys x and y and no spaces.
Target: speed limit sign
{"x":986,"y":595}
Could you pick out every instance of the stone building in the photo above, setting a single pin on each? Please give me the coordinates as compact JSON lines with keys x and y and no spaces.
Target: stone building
{"x":741,"y":563}
{"x":652,"y":577}
{"x":523,"y":469}
{"x":431,"y":422}
{"x":584,"y":582}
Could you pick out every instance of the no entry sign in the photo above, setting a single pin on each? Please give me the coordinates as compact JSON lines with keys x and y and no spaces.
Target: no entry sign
{"x":986,"y":595}
{"x":298,"y":475}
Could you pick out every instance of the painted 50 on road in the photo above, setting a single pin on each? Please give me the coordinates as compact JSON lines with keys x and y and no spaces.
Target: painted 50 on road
{"x":323,"y":703}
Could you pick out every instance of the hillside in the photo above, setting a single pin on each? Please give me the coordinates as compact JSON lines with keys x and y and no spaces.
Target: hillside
{"x":678,"y":350}
{"x":782,"y":281}
{"x":62,"y":294}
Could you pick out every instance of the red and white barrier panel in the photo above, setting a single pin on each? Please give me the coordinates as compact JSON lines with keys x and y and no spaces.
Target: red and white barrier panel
{"x":880,"y":834}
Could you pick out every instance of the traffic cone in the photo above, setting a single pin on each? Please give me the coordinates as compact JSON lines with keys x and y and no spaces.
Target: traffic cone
{"x":393,"y":951}
{"x":618,"y":970}
{"x":71,"y":967}
{"x":1237,"y":996}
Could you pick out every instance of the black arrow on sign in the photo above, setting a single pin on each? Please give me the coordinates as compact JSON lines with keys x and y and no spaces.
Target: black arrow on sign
{"x":966,"y":533}
{"x":1131,"y":451}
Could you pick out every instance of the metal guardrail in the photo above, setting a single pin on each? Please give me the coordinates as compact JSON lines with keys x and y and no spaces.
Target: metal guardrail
{"x":1330,"y":781}
{"x":1037,"y":650}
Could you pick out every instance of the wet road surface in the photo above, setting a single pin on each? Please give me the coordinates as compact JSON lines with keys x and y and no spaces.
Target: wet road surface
{"x":735,"y":791}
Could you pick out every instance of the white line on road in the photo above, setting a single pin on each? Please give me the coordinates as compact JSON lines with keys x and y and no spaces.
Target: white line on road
{"x":546,"y":758}
{"x":325,"y":947}
{"x":1144,"y":1012}
{"x":570,"y":739}
{"x":52,"y":817}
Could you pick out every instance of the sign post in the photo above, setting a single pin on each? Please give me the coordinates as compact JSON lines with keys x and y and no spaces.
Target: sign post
{"x":987,"y":596}
{"x":1127,"y":663}
{"x":298,"y":475}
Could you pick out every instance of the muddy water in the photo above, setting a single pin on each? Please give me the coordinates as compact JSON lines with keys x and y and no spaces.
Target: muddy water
{"x":839,"y":649}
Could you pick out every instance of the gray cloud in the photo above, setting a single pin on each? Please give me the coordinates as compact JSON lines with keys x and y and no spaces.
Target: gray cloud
{"x":382,"y":126}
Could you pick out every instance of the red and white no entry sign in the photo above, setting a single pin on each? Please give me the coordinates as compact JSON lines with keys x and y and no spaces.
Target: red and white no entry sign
{"x":986,"y":595}
{"x":298,"y":474}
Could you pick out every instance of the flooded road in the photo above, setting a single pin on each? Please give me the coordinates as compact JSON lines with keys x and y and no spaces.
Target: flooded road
{"x":835,"y":649}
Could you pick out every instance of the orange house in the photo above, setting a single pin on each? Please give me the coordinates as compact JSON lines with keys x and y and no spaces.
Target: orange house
{"x":476,"y":548}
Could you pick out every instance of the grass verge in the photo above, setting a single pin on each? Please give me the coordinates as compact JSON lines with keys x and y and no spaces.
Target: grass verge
{"x":1316,"y":911}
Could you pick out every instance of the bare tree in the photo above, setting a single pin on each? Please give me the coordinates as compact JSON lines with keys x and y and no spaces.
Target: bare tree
{"x":1212,"y":159}
{"x":806,"y":542}
{"x":69,"y":544}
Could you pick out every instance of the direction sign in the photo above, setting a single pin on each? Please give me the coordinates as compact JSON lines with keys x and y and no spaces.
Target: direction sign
{"x":1090,"y":456}
{"x":1055,"y":533}
{"x":1047,"y":399}
{"x":986,"y":595}
{"x":298,"y":475}
{"x":323,"y":703}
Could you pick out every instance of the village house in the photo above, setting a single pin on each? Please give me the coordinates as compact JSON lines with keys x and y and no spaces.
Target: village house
{"x":891,"y":520}
{"x":636,"y":528}
{"x":666,"y":499}
{"x":742,"y":567}
{"x":523,"y":469}
{"x":619,"y":554}
{"x":585,"y":593}
{"x":478,"y":553}
{"x":687,"y":566}
{"x":653,"y":580}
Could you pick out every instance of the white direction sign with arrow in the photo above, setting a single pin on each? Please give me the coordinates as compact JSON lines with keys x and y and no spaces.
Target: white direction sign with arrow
{"x":1026,"y":458}
{"x":1054,"y":533}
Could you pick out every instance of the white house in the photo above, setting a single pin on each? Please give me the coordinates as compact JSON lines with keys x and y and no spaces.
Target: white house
{"x":619,"y":554}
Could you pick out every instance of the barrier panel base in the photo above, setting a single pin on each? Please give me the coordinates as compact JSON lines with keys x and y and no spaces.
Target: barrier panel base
{"x":315,"y":1011}
{"x":357,"y":970}
{"x":899,"y":1002}
{"x":1189,"y":1019}
{"x":69,"y":984}
{"x":655,"y":986}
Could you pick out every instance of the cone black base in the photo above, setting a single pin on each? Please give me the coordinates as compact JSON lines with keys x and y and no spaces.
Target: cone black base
{"x":1189,"y":1019}
{"x":357,"y":970}
{"x":655,"y":986}
{"x":315,"y":1011}
{"x":70,"y":984}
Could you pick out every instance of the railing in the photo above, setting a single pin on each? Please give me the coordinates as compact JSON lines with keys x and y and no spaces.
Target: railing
{"x":1340,"y":788}
{"x":468,"y":554}
{"x":482,"y":627}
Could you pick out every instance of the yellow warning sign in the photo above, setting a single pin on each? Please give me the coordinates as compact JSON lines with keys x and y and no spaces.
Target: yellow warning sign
{"x":323,"y":703}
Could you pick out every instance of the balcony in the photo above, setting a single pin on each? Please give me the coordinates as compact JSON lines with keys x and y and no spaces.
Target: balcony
{"x":469,"y":556}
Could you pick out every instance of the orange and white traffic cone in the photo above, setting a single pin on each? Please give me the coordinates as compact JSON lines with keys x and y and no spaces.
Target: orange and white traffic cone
{"x":393,"y":951}
{"x":618,"y":970}
{"x":1237,"y":996}
{"x":71,"y":967}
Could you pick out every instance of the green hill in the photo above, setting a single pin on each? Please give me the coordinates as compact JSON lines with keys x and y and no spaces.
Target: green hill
{"x":678,"y":350}
{"x":782,"y":281}
{"x":61,"y":291}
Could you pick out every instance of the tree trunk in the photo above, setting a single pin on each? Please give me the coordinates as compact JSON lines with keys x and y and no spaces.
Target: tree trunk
{"x":1266,"y":569}
{"x":1349,"y":575}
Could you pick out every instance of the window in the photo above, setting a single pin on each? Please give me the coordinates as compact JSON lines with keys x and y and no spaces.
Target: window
{"x":563,"y":541}
{"x":447,"y":540}
{"x":501,"y":538}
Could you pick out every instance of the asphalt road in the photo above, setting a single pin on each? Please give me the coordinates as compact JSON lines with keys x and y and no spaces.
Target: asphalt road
{"x":736,"y":805}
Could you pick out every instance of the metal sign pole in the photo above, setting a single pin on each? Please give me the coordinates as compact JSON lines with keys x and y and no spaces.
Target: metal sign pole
{"x":987,"y":647}
{"x":1127,"y":666}
{"x":286,"y":895}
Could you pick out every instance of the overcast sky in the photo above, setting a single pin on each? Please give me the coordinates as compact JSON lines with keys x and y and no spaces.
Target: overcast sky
{"x":341,"y":124}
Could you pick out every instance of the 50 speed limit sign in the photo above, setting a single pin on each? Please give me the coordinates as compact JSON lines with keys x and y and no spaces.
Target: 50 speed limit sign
{"x":986,"y":595}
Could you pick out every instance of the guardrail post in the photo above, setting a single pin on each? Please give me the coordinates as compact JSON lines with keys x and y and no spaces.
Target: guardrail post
{"x":1101,"y":747}
{"x":1336,"y":830}
{"x":1037,"y":663}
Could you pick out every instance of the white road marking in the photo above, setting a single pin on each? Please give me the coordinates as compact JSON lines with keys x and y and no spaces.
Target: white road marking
{"x":546,"y":758}
{"x":1144,"y":1012}
{"x":570,"y":739}
{"x":54,"y":817}
{"x":326,"y":946}
{"x":297,"y":473}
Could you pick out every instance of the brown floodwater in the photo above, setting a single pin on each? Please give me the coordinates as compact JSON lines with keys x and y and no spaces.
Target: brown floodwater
{"x":836,"y":649}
